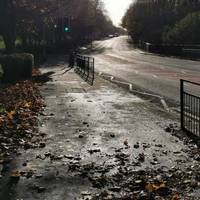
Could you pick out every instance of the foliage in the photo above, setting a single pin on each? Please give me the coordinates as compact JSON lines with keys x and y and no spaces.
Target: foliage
{"x":2,"y":45}
{"x":34,"y":21}
{"x":186,"y":31}
{"x":148,"y":20}
{"x":19,"y":106}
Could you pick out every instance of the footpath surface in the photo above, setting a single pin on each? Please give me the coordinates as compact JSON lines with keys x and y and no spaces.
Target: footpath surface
{"x":102,"y":142}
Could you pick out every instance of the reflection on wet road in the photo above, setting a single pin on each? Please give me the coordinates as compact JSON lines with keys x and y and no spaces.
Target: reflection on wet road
{"x":158,"y":74}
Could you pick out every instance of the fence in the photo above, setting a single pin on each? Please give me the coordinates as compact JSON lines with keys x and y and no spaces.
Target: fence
{"x":190,"y":51}
{"x":190,"y":108}
{"x":85,"y":68}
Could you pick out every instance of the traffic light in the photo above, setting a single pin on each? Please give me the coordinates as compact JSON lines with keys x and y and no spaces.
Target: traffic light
{"x":66,"y":29}
{"x":66,"y":24}
{"x":63,"y":25}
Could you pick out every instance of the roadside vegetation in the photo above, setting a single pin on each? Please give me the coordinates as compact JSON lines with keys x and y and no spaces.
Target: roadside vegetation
{"x":37,"y":23}
{"x":164,"y":22}
{"x":185,"y":31}
{"x":20,"y":104}
{"x":2,"y":45}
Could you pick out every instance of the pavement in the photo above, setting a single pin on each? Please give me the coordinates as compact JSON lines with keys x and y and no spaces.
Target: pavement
{"x":94,"y":132}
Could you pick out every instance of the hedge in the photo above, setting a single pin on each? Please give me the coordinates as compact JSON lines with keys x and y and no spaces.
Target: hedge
{"x":16,"y":67}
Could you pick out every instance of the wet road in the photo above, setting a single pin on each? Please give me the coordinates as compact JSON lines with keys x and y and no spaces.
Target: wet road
{"x":160,"y":75}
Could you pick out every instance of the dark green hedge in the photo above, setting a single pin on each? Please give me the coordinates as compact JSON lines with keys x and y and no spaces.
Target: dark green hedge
{"x":16,"y":66}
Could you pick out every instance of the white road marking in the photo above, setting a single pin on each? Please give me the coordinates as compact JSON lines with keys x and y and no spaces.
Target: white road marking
{"x":155,"y":76}
{"x":130,"y":86}
{"x":183,"y":72}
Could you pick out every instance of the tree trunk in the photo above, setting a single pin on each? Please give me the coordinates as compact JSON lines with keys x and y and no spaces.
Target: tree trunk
{"x":8,"y":24}
{"x":9,"y":40}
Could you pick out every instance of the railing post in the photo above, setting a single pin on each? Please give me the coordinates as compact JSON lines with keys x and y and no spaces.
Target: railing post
{"x":182,"y":102}
{"x":88,"y":68}
{"x":85,"y":67}
{"x":199,"y":116}
{"x":92,"y":70}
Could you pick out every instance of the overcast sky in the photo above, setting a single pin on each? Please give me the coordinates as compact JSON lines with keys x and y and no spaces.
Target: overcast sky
{"x":116,"y":9}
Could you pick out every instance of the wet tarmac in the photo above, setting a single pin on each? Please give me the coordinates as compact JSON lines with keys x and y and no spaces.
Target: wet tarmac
{"x":92,"y":132}
{"x":158,"y":74}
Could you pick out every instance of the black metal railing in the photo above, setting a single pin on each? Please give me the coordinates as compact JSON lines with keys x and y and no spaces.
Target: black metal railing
{"x":190,"y":109}
{"x":85,"y":68}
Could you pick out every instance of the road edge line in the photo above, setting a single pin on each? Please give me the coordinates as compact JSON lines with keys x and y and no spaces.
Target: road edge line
{"x":130,"y":88}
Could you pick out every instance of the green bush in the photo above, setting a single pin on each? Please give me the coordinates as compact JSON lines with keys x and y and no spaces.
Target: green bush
{"x":186,"y":31}
{"x":16,"y":66}
{"x":161,"y":21}
{"x":1,"y":71}
{"x":2,"y":45}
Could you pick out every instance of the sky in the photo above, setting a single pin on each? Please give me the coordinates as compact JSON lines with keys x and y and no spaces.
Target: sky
{"x":116,"y":9}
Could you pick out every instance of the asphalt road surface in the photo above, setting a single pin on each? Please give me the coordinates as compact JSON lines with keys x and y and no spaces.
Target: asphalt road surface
{"x":157,"y":74}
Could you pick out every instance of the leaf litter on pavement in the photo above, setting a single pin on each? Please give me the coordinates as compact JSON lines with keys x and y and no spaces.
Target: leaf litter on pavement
{"x":20,"y":104}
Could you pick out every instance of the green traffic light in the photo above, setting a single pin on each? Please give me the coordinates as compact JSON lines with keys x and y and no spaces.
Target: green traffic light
{"x":66,"y":29}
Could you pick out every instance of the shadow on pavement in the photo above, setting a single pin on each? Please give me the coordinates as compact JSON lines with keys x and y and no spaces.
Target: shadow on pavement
{"x":43,"y":78}
{"x":67,"y":70}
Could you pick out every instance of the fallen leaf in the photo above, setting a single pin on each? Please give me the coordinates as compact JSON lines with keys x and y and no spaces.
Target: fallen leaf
{"x":126,"y":142}
{"x":27,"y":105}
{"x":15,"y":176}
{"x":175,"y":197}
{"x":2,"y":120}
{"x":151,"y":187}
{"x":11,"y":114}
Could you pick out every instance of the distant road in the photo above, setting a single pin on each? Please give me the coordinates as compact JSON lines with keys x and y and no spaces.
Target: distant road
{"x":160,"y":75}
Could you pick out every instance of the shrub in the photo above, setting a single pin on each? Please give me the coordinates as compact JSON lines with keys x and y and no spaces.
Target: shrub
{"x":186,"y":31}
{"x":1,"y":71}
{"x":16,"y":66}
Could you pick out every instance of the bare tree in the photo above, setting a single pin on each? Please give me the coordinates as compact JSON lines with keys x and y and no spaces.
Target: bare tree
{"x":31,"y":18}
